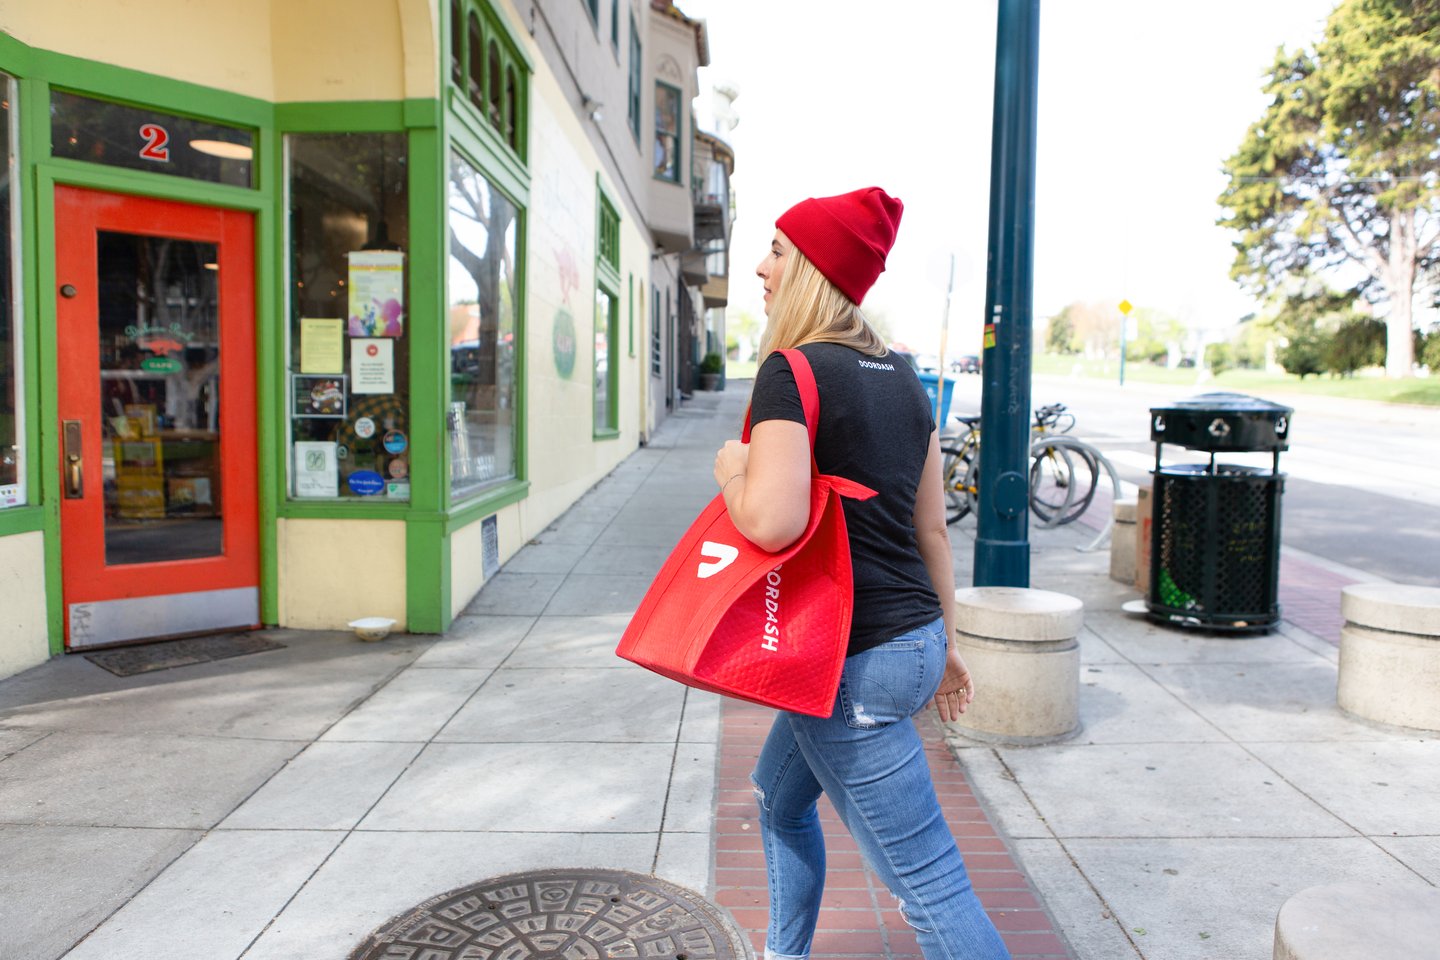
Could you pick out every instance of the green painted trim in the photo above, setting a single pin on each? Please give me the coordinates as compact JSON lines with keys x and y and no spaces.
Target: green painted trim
{"x":355,"y":116}
{"x":427,"y":575}
{"x":630,"y":307}
{"x":427,"y":580}
{"x":16,"y":58}
{"x":606,"y":434}
{"x":469,"y":131}
{"x":159,"y":185}
{"x":357,"y":509}
{"x":483,"y":505}
{"x":35,"y":101}
{"x":21,"y":520}
{"x":516,"y":38}
{"x":496,"y":28}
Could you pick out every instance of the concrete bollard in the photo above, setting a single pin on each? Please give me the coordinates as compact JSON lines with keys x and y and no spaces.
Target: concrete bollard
{"x":1390,"y":654}
{"x":1144,"y":523}
{"x":1020,"y":646}
{"x":1347,"y":921}
{"x":1122,"y":541}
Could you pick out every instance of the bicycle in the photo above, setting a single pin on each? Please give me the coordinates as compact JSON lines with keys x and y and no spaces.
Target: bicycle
{"x":1064,"y":472}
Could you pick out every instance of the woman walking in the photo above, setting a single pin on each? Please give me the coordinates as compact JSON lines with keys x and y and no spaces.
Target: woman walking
{"x":875,"y":428}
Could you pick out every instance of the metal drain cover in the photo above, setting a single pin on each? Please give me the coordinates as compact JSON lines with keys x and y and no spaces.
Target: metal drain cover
{"x":560,"y":915}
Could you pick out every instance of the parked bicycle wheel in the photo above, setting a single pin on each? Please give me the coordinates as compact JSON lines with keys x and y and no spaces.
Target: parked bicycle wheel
{"x":955,"y":467}
{"x":1062,"y":482}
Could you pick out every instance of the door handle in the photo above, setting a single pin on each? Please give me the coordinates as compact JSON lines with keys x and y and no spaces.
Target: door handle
{"x":74,"y":462}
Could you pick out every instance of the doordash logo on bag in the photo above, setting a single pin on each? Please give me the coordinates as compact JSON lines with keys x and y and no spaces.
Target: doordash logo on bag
{"x":721,"y":553}
{"x":770,"y":640}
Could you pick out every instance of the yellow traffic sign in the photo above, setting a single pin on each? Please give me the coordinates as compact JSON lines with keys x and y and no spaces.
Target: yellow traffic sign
{"x":1126,"y":307}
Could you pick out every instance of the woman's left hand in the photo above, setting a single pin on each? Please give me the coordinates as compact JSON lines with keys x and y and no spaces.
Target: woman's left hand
{"x":957,"y":688}
{"x":731,"y":460}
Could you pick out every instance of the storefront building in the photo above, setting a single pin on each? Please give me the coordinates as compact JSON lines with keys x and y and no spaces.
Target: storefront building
{"x":318,"y":314}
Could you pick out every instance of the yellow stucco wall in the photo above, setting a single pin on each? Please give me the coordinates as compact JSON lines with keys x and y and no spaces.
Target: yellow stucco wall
{"x":467,"y":553}
{"x":23,"y":630}
{"x":335,"y":571}
{"x":281,"y":50}
{"x":565,"y":459}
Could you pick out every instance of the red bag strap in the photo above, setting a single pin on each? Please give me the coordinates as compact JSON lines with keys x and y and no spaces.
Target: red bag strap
{"x":809,"y":398}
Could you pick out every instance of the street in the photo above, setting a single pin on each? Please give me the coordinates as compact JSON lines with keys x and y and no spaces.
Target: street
{"x":1356,"y":491}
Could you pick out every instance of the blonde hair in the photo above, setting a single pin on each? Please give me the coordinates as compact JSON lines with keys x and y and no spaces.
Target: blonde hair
{"x":808,"y":308}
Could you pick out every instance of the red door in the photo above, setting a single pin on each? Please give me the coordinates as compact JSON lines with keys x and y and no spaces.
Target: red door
{"x":156,"y":335}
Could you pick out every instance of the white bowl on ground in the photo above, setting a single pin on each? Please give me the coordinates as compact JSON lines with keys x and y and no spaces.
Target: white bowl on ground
{"x":372,"y":628}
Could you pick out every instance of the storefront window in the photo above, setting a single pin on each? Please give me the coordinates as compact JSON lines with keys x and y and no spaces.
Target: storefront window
{"x":483,"y":297}
{"x":349,"y":357}
{"x":12,"y":477}
{"x":97,"y":131}
{"x":667,"y":132}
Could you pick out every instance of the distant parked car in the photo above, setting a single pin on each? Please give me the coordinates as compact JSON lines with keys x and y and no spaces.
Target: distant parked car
{"x":966,"y":364}
{"x":927,"y":363}
{"x":907,"y":357}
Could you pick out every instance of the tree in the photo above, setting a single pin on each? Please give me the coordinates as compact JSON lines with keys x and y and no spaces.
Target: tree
{"x":1060,"y":334}
{"x":1307,"y":320}
{"x":1342,"y":170}
{"x":1359,"y":342}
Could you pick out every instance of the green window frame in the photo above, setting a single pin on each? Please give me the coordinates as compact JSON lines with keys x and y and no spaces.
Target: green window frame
{"x":592,"y":8}
{"x":668,"y":132}
{"x":633,"y":99}
{"x":607,"y":316}
{"x":615,"y":28}
{"x":489,"y":75}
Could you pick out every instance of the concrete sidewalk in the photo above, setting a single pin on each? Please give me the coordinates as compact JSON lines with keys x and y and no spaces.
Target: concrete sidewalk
{"x":284,"y":804}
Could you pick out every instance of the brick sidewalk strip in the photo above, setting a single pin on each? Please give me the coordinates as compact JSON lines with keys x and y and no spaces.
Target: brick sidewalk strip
{"x":858,"y":917}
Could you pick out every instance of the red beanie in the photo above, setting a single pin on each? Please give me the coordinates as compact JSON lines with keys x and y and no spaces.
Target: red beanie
{"x":846,"y":237}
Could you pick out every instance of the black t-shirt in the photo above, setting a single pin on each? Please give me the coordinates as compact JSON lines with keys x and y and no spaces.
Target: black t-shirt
{"x":875,"y":425}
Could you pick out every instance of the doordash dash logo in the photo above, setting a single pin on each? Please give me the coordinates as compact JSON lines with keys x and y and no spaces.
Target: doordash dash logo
{"x":721,"y":553}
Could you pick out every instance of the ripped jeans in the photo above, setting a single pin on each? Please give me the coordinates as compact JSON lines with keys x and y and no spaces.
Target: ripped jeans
{"x":868,"y":759}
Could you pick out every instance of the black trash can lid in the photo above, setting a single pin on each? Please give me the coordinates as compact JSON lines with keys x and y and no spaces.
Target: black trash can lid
{"x":1222,"y":401}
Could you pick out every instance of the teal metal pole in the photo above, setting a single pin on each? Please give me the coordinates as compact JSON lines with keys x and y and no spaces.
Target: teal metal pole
{"x":1002,"y":543}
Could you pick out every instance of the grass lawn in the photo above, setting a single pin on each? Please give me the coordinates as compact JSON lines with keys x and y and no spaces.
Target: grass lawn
{"x":1421,"y":390}
{"x":735,"y":370}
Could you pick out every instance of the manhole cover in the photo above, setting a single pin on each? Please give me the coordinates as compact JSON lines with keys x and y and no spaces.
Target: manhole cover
{"x":128,"y":661}
{"x":560,"y":915}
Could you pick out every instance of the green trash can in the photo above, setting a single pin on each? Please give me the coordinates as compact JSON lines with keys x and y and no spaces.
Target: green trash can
{"x":1215,"y":532}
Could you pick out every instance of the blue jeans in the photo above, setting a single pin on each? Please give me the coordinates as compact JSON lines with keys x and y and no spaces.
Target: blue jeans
{"x":868,"y":759}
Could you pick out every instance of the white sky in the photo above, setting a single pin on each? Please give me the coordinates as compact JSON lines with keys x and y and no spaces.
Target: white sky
{"x":1140,"y":103}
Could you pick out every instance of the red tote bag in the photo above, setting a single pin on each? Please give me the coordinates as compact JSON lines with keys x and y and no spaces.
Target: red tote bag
{"x":772,"y":628}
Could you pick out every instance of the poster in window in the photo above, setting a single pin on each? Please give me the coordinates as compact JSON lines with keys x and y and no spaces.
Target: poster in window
{"x":317,"y":471}
{"x":377,"y":293}
{"x":319,"y":397}
{"x":322,"y":345}
{"x":372,"y":366}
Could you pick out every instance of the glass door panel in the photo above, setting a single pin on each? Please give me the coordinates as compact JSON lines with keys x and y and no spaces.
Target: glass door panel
{"x":159,"y":398}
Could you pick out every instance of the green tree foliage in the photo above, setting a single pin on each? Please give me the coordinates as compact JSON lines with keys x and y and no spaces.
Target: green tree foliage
{"x":1156,"y":333}
{"x":1219,"y":357}
{"x":1341,"y":175}
{"x":1306,"y":321}
{"x":1356,"y":343}
{"x":1060,"y":334}
{"x":1430,"y":352}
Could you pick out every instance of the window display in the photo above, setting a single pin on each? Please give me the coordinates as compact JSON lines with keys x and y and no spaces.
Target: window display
{"x":12,"y":476}
{"x":483,"y":295}
{"x":349,"y":353}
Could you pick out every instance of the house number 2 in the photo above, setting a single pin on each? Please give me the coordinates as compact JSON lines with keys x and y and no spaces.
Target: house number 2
{"x":157,"y":143}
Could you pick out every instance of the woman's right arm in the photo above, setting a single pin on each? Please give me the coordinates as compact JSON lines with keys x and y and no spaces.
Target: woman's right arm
{"x":932,"y":536}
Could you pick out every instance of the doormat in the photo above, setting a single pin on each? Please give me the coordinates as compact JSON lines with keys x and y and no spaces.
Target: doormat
{"x":129,"y":661}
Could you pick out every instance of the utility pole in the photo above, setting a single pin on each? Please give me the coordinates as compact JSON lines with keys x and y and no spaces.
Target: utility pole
{"x":1002,"y":543}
